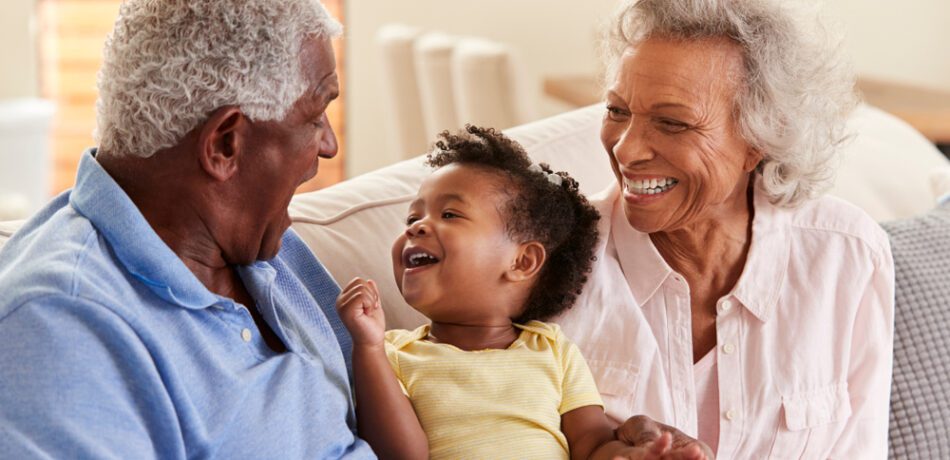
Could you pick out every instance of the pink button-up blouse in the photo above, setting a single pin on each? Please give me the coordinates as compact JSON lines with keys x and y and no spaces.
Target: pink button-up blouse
{"x":804,"y":340}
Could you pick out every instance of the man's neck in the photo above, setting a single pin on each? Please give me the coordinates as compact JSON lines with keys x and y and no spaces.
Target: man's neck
{"x":160,"y":190}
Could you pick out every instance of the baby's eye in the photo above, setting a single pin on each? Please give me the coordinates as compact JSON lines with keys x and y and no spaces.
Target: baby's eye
{"x":411,"y":220}
{"x":449,"y":215}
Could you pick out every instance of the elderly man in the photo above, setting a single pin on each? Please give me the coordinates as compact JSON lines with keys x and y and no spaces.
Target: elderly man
{"x":162,"y":308}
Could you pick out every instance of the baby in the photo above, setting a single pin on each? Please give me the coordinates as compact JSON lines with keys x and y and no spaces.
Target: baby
{"x":493,"y":246}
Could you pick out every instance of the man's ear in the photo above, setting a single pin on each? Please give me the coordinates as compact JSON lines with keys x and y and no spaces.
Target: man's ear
{"x":221,"y":140}
{"x":527,"y":263}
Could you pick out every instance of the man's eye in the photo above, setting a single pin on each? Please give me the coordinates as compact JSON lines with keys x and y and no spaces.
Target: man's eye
{"x":615,"y":113}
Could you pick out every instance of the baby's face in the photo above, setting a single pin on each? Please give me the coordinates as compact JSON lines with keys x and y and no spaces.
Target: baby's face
{"x":451,"y":260}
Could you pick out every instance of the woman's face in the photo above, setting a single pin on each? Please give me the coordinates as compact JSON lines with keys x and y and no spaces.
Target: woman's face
{"x":672,"y":136}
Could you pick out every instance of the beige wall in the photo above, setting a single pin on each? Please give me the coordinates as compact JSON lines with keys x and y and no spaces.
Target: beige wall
{"x":18,"y":48}
{"x":906,"y":41}
{"x":551,"y":36}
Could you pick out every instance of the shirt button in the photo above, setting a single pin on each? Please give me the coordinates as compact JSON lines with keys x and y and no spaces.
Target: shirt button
{"x":728,"y":348}
{"x":246,"y":335}
{"x":725,"y":306}
{"x":730,"y":414}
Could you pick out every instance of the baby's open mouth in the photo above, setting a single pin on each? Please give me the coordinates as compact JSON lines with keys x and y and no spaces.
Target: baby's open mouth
{"x":418,"y":257}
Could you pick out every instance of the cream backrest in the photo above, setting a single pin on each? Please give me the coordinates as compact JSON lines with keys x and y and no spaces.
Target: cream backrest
{"x":396,"y":44}
{"x":487,"y":78}
{"x":433,"y":60}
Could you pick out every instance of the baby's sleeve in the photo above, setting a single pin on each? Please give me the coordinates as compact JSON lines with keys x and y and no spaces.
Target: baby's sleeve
{"x":577,"y":387}
{"x":393,"y":355}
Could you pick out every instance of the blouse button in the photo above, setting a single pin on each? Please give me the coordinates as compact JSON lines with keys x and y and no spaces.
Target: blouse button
{"x":728,"y":348}
{"x":725,"y":306}
{"x":246,"y":334}
{"x":730,"y":414}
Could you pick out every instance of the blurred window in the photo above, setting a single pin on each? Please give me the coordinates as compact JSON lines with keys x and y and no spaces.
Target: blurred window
{"x":72,"y":33}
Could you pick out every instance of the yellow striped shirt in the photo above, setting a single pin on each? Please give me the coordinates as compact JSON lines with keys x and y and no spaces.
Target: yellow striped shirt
{"x":494,"y":404}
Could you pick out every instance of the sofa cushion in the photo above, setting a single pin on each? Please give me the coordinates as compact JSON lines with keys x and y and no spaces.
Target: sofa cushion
{"x":940,"y":183}
{"x":7,"y":229}
{"x":920,"y":395}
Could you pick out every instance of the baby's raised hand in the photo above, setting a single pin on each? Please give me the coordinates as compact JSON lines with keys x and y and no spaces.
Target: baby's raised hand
{"x":359,"y":308}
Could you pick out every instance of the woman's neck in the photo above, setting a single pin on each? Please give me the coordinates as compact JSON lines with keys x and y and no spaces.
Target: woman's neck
{"x":473,"y":337}
{"x":713,"y":250}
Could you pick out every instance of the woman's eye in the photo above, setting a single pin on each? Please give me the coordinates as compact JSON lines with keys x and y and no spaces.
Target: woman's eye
{"x":672,"y":126}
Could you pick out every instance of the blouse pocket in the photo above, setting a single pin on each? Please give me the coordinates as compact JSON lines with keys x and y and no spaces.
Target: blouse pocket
{"x":813,"y":420}
{"x":617,"y":384}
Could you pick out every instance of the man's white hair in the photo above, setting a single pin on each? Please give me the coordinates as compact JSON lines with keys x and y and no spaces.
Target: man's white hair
{"x":797,"y":92}
{"x":169,"y":63}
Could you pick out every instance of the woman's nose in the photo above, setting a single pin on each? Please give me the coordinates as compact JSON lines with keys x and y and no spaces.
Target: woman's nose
{"x":632,"y":146}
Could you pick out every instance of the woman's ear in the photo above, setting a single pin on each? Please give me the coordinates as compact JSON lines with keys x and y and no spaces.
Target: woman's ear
{"x":753,"y":158}
{"x":220,"y":141}
{"x":528,"y":262}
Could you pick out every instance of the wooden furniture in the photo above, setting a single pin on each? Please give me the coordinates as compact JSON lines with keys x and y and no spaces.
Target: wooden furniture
{"x":71,"y":36}
{"x":927,"y":110}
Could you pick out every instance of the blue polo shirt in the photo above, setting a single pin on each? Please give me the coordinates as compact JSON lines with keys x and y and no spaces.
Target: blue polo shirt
{"x":111,"y":348}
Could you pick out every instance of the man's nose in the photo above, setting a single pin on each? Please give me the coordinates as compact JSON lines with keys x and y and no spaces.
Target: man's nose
{"x":328,"y":144}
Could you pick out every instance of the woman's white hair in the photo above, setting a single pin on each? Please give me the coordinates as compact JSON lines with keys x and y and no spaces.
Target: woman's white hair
{"x":169,"y":63}
{"x":797,"y":93}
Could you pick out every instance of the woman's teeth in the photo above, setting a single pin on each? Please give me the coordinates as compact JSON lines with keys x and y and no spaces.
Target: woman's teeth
{"x":650,"y":186}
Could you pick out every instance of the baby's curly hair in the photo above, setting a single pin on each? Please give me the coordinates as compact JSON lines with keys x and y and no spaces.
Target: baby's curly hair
{"x":557,"y":216}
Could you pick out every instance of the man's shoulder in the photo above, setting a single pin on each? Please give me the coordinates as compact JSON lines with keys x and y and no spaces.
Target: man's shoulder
{"x":61,"y":257}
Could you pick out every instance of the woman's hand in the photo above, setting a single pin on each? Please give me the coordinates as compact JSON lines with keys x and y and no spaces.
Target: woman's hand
{"x":658,"y":441}
{"x":359,"y":309}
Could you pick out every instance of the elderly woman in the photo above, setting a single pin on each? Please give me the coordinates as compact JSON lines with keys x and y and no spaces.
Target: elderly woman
{"x":730,"y":299}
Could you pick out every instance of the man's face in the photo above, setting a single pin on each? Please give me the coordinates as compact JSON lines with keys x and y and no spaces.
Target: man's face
{"x":281,"y":155}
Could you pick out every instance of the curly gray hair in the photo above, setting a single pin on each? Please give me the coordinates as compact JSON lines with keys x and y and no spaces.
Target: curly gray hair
{"x":168,"y":63}
{"x":798,"y":89}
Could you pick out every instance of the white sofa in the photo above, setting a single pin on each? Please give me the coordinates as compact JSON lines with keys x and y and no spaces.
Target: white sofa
{"x":887,"y":170}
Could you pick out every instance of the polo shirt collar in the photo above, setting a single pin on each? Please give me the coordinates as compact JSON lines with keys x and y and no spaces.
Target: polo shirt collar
{"x":762,"y":277}
{"x":138,"y":248}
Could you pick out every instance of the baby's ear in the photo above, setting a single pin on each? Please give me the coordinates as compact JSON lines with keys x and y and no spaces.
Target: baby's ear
{"x":528,"y":262}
